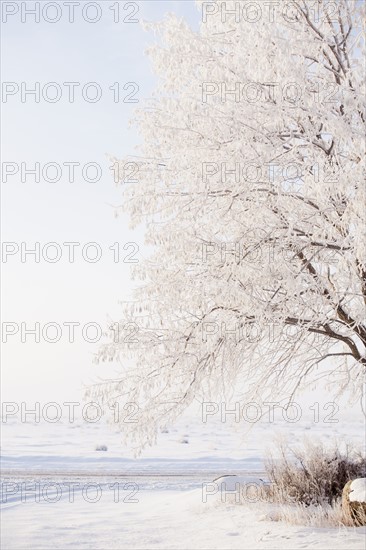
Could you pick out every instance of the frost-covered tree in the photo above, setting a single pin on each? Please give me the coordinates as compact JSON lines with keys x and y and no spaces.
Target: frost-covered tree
{"x":250,"y":180}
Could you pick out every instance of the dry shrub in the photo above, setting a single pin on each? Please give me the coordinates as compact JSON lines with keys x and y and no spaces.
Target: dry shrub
{"x":325,"y":515}
{"x":320,"y":515}
{"x":313,"y":475}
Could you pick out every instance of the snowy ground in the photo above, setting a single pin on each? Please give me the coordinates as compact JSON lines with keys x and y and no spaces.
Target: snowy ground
{"x":161,"y":519}
{"x":59,"y":492}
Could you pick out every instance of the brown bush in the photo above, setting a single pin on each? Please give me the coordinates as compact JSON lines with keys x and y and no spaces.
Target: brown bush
{"x":313,"y":475}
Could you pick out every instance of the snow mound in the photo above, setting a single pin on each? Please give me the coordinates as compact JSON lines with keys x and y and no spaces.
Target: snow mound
{"x":358,"y":490}
{"x":229,"y":482}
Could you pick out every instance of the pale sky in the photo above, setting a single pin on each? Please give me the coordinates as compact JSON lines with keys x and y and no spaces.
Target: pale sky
{"x":104,"y":52}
